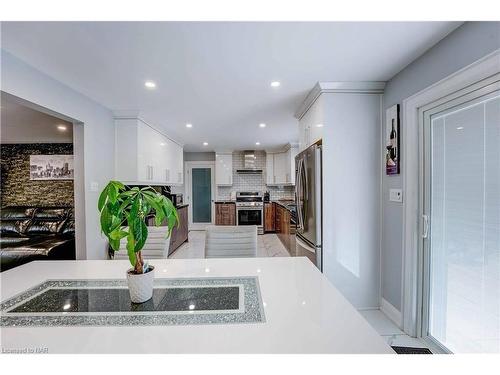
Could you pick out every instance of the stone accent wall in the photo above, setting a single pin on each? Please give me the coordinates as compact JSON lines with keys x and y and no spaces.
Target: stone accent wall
{"x":18,"y":189}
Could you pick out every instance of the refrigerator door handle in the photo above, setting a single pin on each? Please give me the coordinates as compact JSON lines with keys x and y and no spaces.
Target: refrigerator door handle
{"x":297,"y":190}
{"x":305,"y":192}
{"x":300,"y":195}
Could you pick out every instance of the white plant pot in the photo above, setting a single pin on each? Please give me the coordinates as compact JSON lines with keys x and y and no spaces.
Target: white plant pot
{"x":140,"y":286}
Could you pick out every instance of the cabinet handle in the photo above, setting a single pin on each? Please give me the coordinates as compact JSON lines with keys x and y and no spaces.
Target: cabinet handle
{"x":167,"y":174}
{"x":152,"y":173}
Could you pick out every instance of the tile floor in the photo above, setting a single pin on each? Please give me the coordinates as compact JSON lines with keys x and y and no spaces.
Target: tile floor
{"x":268,"y":245}
{"x":390,"y":331}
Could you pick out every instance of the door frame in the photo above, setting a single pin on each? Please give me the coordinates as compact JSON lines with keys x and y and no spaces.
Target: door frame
{"x":450,"y":87}
{"x":188,"y":167}
{"x":78,"y":165}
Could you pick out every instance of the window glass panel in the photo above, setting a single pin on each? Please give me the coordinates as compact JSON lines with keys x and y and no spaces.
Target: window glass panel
{"x":202,"y":195}
{"x":464,"y":309}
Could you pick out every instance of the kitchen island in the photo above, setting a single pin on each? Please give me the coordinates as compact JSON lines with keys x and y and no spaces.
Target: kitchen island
{"x":283,"y":305}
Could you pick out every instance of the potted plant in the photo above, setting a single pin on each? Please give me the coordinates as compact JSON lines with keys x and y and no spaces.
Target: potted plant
{"x":123,"y":213}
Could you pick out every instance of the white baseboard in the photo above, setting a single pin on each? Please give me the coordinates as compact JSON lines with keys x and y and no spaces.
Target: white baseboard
{"x":391,"y":312}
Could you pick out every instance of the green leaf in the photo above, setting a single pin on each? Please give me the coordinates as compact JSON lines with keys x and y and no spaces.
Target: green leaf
{"x":105,"y":220}
{"x":134,"y":207}
{"x":102,"y":198}
{"x":115,"y":244}
{"x":140,"y":235}
{"x":118,"y":234}
{"x":119,"y":186}
{"x":131,"y":257}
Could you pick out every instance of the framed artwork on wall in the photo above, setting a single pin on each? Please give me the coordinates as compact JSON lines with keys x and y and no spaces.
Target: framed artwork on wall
{"x":392,"y":144}
{"x":51,"y":167}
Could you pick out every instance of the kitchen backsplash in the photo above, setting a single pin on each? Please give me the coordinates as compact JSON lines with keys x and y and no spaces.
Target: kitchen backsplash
{"x":253,"y":181}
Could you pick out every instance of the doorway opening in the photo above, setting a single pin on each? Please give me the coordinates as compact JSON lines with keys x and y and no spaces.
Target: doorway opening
{"x":42,"y":183}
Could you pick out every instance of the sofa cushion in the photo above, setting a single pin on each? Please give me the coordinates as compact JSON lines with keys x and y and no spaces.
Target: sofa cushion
{"x":69,"y":228}
{"x":38,"y":227}
{"x":13,"y":228}
{"x":51,"y":214}
{"x":12,"y":241}
{"x":16,"y":213}
{"x":37,"y":248}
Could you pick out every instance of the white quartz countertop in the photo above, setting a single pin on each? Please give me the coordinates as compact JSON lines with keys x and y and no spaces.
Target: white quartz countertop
{"x":304,"y":312}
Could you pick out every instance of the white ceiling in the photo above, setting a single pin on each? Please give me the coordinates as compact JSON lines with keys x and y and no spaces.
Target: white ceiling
{"x":217,"y":75}
{"x":20,"y":124}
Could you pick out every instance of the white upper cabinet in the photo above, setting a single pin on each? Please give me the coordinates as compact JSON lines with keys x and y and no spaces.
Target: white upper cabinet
{"x":290,"y":165}
{"x":311,"y":125}
{"x":280,"y":167}
{"x":224,"y":169}
{"x":145,"y":156}
{"x":270,"y":178}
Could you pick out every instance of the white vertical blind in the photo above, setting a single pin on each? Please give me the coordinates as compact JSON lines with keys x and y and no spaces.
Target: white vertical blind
{"x":464,"y":310}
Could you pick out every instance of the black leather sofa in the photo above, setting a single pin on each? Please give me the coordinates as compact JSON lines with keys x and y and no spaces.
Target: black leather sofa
{"x":36,"y":233}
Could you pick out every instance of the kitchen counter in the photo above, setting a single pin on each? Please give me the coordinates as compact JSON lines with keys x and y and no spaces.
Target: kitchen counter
{"x":224,"y":202}
{"x":301,"y":311}
{"x":284,"y":203}
{"x":181,"y":206}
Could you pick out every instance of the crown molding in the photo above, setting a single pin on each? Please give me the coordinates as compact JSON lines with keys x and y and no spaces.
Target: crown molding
{"x":136,"y":115}
{"x":284,"y":148}
{"x":346,"y":87}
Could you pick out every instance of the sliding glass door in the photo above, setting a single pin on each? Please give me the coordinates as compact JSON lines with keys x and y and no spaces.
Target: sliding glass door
{"x":461,"y":220}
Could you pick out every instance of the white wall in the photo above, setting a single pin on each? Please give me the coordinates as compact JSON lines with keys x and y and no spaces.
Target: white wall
{"x":351,"y":192}
{"x":462,"y":47}
{"x":24,"y":81}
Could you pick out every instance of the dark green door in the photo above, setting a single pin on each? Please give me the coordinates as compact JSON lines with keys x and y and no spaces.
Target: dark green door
{"x":202,"y":195}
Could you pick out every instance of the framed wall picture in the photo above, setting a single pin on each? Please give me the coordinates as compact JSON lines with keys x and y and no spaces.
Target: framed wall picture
{"x":51,"y":167}
{"x":392,"y":144}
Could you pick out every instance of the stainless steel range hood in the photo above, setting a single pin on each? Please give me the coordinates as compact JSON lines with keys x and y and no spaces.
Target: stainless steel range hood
{"x":249,"y":163}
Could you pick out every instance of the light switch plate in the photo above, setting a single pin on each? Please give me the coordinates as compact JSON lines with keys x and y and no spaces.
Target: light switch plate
{"x":396,"y":195}
{"x":94,"y":186}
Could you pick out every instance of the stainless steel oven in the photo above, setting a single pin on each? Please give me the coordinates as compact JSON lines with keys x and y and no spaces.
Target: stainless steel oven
{"x":250,"y":209}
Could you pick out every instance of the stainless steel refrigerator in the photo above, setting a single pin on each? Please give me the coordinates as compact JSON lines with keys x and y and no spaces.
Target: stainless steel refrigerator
{"x":308,"y":198}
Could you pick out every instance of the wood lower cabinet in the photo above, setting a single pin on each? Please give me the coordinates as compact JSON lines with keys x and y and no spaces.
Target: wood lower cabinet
{"x":269,"y":217}
{"x":225,"y":213}
{"x":282,"y":225}
{"x":179,"y":233}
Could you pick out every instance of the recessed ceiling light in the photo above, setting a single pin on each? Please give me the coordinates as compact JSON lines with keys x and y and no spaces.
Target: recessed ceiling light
{"x":275,"y":84}
{"x":257,"y":143}
{"x":150,"y":84}
{"x":319,"y":125}
{"x":460,"y":128}
{"x":61,"y":127}
{"x":262,"y":125}
{"x":205,"y":143}
{"x":162,"y":144}
{"x":189,"y":125}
